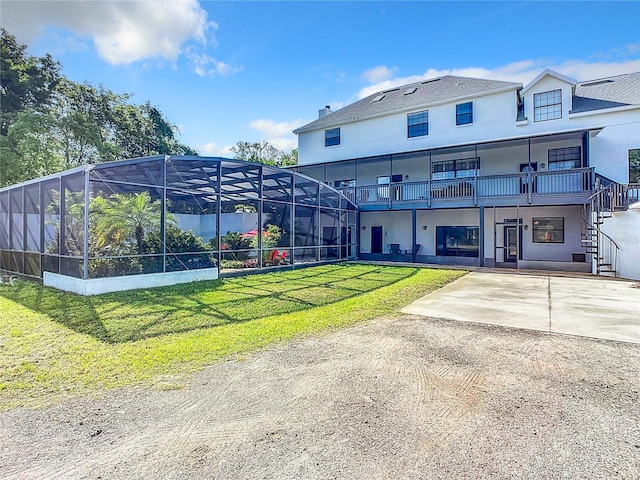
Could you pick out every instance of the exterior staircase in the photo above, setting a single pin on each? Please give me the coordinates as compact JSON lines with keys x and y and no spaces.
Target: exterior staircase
{"x":602,"y":205}
{"x":602,"y":248}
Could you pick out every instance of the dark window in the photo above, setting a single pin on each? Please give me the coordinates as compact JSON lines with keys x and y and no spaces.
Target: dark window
{"x":463,"y":167}
{"x":547,"y":105}
{"x":344,"y":183}
{"x":634,"y":166}
{"x":418,"y":124}
{"x":332,"y":137}
{"x":464,"y":113}
{"x":548,"y":230}
{"x":457,"y":241}
{"x":565,"y":158}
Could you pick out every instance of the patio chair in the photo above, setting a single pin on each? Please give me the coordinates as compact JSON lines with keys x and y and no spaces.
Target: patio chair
{"x":394,"y":248}
{"x":416,"y":249}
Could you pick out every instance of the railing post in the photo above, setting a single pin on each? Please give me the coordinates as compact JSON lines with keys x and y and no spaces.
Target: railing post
{"x":475,"y":190}
{"x":529,"y":186}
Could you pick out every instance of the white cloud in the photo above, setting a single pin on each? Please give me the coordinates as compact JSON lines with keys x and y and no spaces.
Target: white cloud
{"x":523,"y":71}
{"x":206,"y":66}
{"x":284,"y":144}
{"x":124,"y":31}
{"x":270,"y":128}
{"x":278,"y":133}
{"x":211,"y":149}
{"x":378,"y":74}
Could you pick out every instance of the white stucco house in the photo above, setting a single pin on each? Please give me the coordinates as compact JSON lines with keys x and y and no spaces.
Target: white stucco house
{"x":478,"y":172}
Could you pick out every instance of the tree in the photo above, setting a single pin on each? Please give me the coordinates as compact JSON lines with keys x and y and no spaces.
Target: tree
{"x":49,"y":123}
{"x":26,"y":82}
{"x":259,"y":152}
{"x":126,"y":219}
{"x":142,"y":130}
{"x":287,"y":159}
{"x":29,"y":149}
{"x":264,"y":152}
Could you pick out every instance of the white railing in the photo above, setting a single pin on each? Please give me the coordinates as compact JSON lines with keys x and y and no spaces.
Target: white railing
{"x":529,"y":185}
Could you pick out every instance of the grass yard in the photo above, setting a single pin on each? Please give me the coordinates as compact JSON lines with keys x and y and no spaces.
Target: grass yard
{"x":55,"y":345}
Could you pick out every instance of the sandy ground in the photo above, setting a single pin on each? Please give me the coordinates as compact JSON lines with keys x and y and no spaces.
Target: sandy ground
{"x":396,"y":398}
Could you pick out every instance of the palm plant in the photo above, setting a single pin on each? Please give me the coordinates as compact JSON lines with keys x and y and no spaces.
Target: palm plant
{"x":126,"y":218}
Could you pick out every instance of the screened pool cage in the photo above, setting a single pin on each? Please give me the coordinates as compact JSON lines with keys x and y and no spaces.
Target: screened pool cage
{"x":171,"y":214}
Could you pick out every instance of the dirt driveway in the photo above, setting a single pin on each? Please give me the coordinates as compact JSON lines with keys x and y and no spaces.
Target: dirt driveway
{"x":396,"y":398}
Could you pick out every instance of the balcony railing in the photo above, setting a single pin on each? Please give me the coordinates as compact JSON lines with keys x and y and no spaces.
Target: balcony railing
{"x":528,"y":185}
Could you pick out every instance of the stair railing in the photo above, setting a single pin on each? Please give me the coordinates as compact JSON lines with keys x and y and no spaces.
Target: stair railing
{"x":602,"y":247}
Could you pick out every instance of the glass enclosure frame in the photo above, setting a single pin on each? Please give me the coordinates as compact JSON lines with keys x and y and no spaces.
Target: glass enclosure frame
{"x":172,"y":213}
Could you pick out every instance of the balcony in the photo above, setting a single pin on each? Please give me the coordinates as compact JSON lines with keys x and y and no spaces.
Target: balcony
{"x":570,"y":186}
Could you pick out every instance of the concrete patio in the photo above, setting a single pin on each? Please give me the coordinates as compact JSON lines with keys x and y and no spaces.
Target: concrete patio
{"x":592,"y":307}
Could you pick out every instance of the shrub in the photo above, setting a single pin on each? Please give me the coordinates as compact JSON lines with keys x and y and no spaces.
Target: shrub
{"x":235,"y":241}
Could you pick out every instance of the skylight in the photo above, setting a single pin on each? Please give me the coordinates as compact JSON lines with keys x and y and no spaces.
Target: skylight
{"x":597,"y":82}
{"x":411,"y":90}
{"x":392,"y":90}
{"x":431,"y":81}
{"x":378,"y":98}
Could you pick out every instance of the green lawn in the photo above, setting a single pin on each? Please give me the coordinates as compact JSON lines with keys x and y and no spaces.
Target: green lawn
{"x":55,"y":345}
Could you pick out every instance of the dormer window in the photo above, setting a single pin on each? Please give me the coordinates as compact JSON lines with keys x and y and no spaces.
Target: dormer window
{"x":547,"y":106}
{"x":332,"y":137}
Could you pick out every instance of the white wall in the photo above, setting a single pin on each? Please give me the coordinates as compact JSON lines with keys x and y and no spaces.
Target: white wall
{"x":396,"y":228}
{"x":624,"y":228}
{"x":558,"y":252}
{"x":610,"y":148}
{"x":97,"y":286}
{"x":463,"y":217}
{"x":492,"y":116}
{"x":494,"y":119}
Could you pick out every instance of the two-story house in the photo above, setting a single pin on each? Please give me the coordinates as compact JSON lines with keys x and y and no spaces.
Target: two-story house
{"x":477,"y":172}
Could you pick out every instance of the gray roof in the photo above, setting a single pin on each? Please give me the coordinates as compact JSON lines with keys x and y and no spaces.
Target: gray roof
{"x":428,"y":92}
{"x":611,"y":92}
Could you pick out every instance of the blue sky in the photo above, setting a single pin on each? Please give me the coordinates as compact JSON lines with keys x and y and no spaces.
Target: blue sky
{"x":230,"y":71}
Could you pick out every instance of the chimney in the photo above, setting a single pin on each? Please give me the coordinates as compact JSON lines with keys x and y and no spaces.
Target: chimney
{"x":324,"y":111}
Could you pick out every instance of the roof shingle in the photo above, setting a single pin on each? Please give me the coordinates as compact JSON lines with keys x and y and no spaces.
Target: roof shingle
{"x":428,"y":92}
{"x":618,"y":91}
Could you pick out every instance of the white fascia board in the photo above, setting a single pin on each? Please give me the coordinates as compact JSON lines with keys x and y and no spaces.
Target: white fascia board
{"x":602,"y":111}
{"x":550,"y":73}
{"x":410,"y":108}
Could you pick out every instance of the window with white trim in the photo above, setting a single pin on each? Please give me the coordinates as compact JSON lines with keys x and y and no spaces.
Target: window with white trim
{"x":547,"y":106}
{"x":464,"y":113}
{"x":418,"y":124}
{"x":332,"y":137}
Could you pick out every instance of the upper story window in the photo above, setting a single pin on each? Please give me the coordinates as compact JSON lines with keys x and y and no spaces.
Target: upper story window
{"x":418,"y":124}
{"x":351,"y":182}
{"x":332,"y":137}
{"x":464,"y":113}
{"x":565,"y":158}
{"x":463,"y":167}
{"x":547,"y":105}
